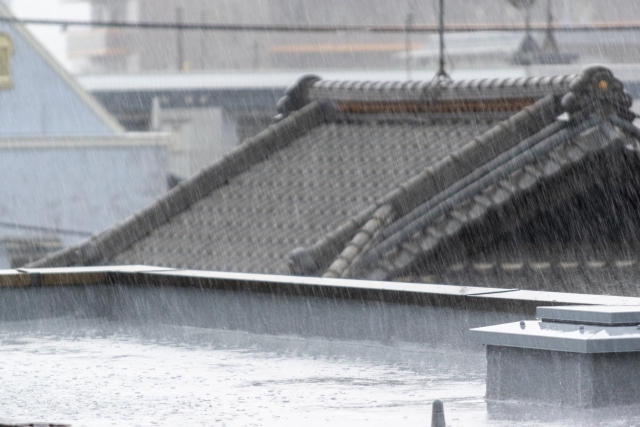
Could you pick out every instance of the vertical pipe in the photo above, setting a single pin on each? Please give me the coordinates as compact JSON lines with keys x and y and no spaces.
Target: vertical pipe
{"x":549,"y":45}
{"x":441,"y":71}
{"x":527,"y":19}
{"x":255,"y":63}
{"x":155,"y":119}
{"x":203,"y":42}
{"x":180,"y":40}
{"x":441,"y":74}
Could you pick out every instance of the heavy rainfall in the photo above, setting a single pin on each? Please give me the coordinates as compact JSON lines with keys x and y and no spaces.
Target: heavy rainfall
{"x":336,"y":212}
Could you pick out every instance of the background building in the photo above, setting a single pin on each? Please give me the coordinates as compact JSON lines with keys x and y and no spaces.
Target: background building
{"x":213,"y":90}
{"x":103,"y":50}
{"x":69,"y":169}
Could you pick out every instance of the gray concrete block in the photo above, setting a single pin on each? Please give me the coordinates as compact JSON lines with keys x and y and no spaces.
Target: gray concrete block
{"x":559,"y":378}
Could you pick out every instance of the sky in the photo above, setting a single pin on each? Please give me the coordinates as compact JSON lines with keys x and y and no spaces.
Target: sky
{"x":53,"y":38}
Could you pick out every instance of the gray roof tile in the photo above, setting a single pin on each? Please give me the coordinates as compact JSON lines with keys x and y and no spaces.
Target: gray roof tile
{"x":302,"y":193}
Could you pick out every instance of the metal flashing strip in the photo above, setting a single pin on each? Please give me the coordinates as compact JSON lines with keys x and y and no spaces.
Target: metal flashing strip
{"x":73,"y":275}
{"x":95,"y":269}
{"x":371,"y":285}
{"x":490,"y":291}
{"x":562,"y":298}
{"x":311,"y":286}
{"x":591,"y":315}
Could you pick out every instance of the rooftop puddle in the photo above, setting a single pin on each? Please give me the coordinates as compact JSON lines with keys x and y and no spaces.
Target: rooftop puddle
{"x":104,"y":373}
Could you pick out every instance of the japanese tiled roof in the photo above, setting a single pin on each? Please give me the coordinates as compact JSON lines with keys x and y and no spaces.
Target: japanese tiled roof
{"x":370,"y":179}
{"x":557,"y":161}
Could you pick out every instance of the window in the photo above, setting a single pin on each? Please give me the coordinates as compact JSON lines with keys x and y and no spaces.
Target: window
{"x":6,"y":51}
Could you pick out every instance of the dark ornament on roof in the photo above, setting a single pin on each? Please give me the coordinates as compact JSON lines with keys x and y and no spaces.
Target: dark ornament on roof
{"x":597,"y":89}
{"x":295,"y":96}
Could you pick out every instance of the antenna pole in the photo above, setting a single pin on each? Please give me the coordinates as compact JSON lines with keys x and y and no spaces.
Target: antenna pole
{"x":527,"y":18}
{"x":204,"y":53}
{"x":441,"y":74}
{"x":180,"y":39}
{"x":407,"y":44}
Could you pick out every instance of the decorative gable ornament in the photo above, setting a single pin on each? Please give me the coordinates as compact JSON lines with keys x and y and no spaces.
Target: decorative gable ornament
{"x":6,"y":52}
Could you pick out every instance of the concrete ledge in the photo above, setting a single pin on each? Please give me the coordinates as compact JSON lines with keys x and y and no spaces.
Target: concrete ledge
{"x":390,"y":313}
{"x":68,"y":276}
{"x":490,"y":299}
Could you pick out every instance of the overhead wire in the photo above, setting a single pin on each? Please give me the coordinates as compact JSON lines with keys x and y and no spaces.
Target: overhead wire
{"x":53,"y":230}
{"x":415,"y":28}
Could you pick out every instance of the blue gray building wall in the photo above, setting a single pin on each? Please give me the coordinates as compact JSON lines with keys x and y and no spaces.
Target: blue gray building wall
{"x":78,"y":188}
{"x":44,"y":100}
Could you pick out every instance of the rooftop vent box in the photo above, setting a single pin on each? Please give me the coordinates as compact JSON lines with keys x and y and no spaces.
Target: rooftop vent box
{"x":572,"y":356}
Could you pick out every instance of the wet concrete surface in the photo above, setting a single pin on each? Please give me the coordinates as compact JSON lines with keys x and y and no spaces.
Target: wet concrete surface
{"x":97,"y":372}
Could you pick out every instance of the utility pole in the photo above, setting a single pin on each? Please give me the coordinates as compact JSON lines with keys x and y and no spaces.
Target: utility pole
{"x":407,"y":43}
{"x":180,"y":38}
{"x":528,"y":51}
{"x":550,"y":45}
{"x":527,"y":19}
{"x":441,"y":74}
{"x":255,"y":63}
{"x":204,"y":53}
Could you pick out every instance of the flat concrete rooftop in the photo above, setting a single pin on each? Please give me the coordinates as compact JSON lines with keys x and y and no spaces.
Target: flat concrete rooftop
{"x":136,"y":345}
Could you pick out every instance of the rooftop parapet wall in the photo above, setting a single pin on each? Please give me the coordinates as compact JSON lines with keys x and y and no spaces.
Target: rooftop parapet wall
{"x":406,"y":293}
{"x":391,"y":313}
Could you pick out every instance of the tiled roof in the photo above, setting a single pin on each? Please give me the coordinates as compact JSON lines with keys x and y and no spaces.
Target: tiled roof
{"x":249,"y":217}
{"x":543,"y":169}
{"x":342,"y":155}
{"x":448,"y":172}
{"x":303,"y":192}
